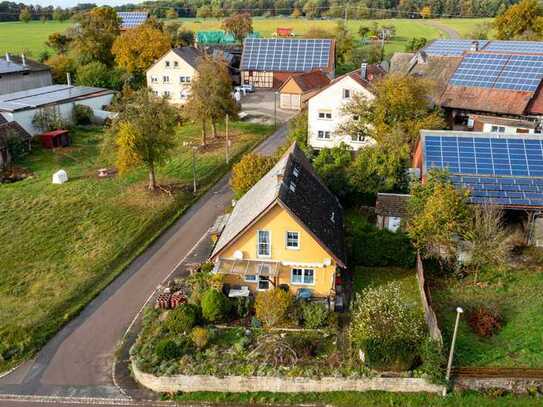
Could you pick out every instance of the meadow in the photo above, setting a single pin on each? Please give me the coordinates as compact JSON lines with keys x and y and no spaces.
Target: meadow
{"x":64,"y":243}
{"x":17,"y":37}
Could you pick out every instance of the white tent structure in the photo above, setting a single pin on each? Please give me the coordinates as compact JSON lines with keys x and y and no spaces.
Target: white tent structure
{"x":60,"y":177}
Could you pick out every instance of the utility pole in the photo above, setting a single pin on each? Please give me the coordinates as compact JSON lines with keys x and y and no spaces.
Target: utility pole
{"x":193,"y":169}
{"x":227,"y":140}
{"x":346,"y":8}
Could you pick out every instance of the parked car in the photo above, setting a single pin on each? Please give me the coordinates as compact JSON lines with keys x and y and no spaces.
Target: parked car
{"x":245,"y":89}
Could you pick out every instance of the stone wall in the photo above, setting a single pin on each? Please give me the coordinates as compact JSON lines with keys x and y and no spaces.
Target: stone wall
{"x":240,"y":384}
{"x":514,"y":385}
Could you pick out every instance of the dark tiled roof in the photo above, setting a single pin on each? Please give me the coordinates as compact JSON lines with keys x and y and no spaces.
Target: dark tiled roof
{"x":374,"y":73}
{"x":2,"y":119}
{"x":191,"y":55}
{"x":303,"y":195}
{"x":12,"y":129}
{"x":392,"y":205}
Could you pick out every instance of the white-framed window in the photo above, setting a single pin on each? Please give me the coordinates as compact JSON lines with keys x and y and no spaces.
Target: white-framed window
{"x":498,"y":129}
{"x":250,"y":278}
{"x":302,"y":276}
{"x":263,"y":243}
{"x":154,"y":79}
{"x":322,"y":134}
{"x":175,"y":64}
{"x":346,"y":93}
{"x":293,"y":240}
{"x":166,"y":79}
{"x":325,"y":115}
{"x":263,"y":283}
{"x":167,"y":93}
{"x":187,"y":78}
{"x":359,"y":137}
{"x":167,"y":64}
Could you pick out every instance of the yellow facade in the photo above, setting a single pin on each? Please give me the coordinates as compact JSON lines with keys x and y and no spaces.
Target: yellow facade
{"x":310,"y":255}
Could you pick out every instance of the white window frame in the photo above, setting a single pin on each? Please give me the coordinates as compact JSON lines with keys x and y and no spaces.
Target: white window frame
{"x":175,"y":64}
{"x":297,"y":247}
{"x":497,"y":129}
{"x":167,"y":93}
{"x":263,"y":279}
{"x":346,"y":93}
{"x":167,"y":64}
{"x":250,"y":280}
{"x":154,"y":79}
{"x":324,"y":135}
{"x":165,"y":79}
{"x":303,"y":276}
{"x":325,"y":115}
{"x":182,"y":79}
{"x":258,"y":244}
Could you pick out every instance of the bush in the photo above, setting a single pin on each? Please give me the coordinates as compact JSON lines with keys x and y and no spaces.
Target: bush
{"x":182,"y":319}
{"x":243,"y":306}
{"x":202,"y":281}
{"x":433,"y":361}
{"x":82,"y":114}
{"x":248,"y":171}
{"x":485,"y":321}
{"x":200,"y":337}
{"x":387,"y":329}
{"x":167,"y":349}
{"x":272,"y":306}
{"x":215,"y":305}
{"x":371,"y":247}
{"x":314,"y":315}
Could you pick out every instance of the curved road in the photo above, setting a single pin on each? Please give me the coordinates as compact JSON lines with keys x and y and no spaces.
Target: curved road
{"x":77,"y":362}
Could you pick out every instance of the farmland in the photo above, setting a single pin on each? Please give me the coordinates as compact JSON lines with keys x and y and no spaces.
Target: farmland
{"x":67,"y":242}
{"x":17,"y":37}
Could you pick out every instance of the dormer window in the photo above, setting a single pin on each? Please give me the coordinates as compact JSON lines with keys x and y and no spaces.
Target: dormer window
{"x":296,"y":172}
{"x":333,"y":217}
{"x":292,"y":187}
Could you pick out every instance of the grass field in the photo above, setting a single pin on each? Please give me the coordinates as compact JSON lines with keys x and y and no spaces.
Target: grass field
{"x":63,"y":243}
{"x":362,"y":399}
{"x":464,"y":26}
{"x":517,"y":294}
{"x":17,"y":37}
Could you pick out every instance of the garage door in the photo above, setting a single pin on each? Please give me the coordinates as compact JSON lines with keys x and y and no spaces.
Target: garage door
{"x":289,"y":101}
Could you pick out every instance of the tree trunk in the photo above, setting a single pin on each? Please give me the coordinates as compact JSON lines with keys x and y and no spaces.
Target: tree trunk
{"x":214,"y":129}
{"x":152,"y":178}
{"x":204,"y":135}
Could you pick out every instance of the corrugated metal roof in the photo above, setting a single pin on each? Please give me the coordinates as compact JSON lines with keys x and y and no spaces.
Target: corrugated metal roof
{"x":33,"y":98}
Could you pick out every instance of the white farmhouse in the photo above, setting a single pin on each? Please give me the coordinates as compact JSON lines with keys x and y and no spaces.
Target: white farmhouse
{"x":172,"y":74}
{"x":325,"y":108}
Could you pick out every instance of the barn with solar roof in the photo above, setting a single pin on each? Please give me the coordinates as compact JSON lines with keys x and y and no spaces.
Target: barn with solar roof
{"x":505,"y":170}
{"x":132,"y":19}
{"x":268,"y":62}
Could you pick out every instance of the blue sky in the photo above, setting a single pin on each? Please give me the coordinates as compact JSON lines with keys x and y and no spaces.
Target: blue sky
{"x":71,"y":3}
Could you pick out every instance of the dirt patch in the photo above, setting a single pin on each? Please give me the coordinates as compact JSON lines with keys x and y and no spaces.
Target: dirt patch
{"x":14,"y":174}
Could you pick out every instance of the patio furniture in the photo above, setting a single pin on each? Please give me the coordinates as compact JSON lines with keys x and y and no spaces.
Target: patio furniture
{"x":304,"y":294}
{"x":239,"y":292}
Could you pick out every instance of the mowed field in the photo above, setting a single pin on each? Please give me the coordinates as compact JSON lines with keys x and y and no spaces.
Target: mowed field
{"x":62,"y":244}
{"x":16,"y":37}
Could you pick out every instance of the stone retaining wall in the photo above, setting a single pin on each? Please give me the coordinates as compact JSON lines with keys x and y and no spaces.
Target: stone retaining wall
{"x":240,"y":384}
{"x":514,"y":385}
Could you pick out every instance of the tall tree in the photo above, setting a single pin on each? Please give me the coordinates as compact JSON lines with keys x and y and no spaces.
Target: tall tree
{"x":521,"y":21}
{"x":211,"y":99}
{"x":136,"y":50}
{"x":144,"y":132}
{"x":239,"y":25}
{"x":97,"y":30}
{"x":25,"y":15}
{"x":59,"y":42}
{"x":246,"y":173}
{"x":344,"y":43}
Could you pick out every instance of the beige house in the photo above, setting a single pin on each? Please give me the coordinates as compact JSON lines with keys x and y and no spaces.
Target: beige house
{"x":172,"y":74}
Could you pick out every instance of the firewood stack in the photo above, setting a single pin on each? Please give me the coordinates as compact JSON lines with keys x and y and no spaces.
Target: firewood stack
{"x":163,"y":301}
{"x":177,"y":299}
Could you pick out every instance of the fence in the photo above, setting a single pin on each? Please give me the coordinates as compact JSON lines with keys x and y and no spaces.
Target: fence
{"x":429,"y":314}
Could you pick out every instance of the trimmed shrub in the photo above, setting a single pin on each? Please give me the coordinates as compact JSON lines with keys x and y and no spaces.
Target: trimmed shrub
{"x":485,"y":321}
{"x":82,"y":114}
{"x":167,"y":349}
{"x":243,"y":306}
{"x":200,"y":337}
{"x":215,"y":305}
{"x":387,"y":329}
{"x":314,"y":315}
{"x":372,"y":247}
{"x":182,"y":319}
{"x":272,"y":307}
{"x":433,"y":361}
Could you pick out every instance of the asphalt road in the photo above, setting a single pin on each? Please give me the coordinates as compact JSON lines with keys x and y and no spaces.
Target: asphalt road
{"x":77,"y":362}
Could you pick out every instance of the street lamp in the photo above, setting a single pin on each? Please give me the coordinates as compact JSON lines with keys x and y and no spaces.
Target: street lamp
{"x":275,"y":109}
{"x":459,"y":311}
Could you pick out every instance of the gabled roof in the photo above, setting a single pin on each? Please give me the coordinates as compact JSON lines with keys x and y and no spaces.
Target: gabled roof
{"x":292,"y":184}
{"x":10,"y":129}
{"x":391,"y":204}
{"x":308,"y":81}
{"x":190,"y":55}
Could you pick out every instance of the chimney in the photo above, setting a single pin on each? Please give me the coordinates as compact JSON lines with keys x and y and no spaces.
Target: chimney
{"x":474,"y":46}
{"x":23,"y":59}
{"x":68,"y":79}
{"x":364,"y":70}
{"x":8,"y":59}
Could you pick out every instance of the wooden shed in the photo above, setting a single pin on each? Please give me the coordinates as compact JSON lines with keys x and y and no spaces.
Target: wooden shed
{"x":298,"y":88}
{"x":55,"y":138}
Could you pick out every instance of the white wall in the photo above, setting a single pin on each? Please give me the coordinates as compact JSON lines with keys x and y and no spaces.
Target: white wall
{"x":174,"y":86}
{"x":487,"y":127}
{"x":16,"y":82}
{"x":331,"y":100}
{"x":25,"y":117}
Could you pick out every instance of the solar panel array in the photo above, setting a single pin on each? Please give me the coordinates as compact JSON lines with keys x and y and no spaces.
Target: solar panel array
{"x":530,"y":47}
{"x":451,"y":47}
{"x":132,"y":19}
{"x":500,"y":71}
{"x":503,"y":171}
{"x":285,"y":55}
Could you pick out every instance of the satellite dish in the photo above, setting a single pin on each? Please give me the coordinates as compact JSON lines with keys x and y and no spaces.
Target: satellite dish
{"x":238,"y":255}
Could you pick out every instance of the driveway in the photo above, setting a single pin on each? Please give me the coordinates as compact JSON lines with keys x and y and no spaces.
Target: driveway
{"x":259,"y":107}
{"x":450,"y":32}
{"x":77,"y":362}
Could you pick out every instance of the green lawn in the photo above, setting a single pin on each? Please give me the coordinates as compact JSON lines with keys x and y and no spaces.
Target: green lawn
{"x":365,"y":277}
{"x":62,"y":244}
{"x":17,"y":37}
{"x":365,"y":399}
{"x":517,"y":293}
{"x":464,"y":26}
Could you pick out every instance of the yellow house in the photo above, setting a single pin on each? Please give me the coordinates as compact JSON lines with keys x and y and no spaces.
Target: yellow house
{"x":287,"y":230}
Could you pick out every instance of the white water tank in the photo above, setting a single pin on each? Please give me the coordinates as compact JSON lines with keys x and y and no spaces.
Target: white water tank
{"x":60,"y":177}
